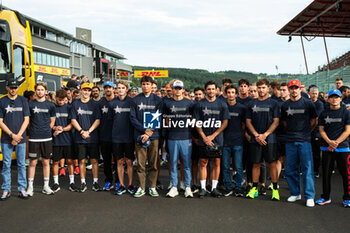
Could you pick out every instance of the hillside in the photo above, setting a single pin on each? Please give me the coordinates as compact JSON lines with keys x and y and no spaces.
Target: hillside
{"x":196,"y":77}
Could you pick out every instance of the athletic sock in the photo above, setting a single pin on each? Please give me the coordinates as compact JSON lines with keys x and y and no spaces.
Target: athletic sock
{"x":275,"y":186}
{"x":83,"y":181}
{"x":255,"y":185}
{"x":30,"y":182}
{"x":95,"y":180}
{"x":71,"y":179}
{"x":214,"y":183}
{"x":55,"y":179}
{"x":46,"y":181}
{"x":203,"y":184}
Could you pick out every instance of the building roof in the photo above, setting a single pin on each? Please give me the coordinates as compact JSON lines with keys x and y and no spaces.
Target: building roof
{"x":107,"y":51}
{"x":329,"y":18}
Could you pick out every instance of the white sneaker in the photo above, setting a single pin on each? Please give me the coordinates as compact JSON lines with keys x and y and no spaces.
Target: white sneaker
{"x":310,"y":203}
{"x":30,"y":191}
{"x":188,"y":192}
{"x":173,"y":192}
{"x":182,"y":186}
{"x":47,"y":190}
{"x":294,"y":198}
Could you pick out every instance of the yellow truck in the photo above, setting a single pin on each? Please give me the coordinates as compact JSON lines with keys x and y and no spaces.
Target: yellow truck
{"x":16,"y":53}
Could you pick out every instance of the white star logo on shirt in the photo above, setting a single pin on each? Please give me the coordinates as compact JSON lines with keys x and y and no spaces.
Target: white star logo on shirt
{"x":328,"y":120}
{"x":141,"y":106}
{"x":173,"y":109}
{"x":36,"y":109}
{"x":80,"y":111}
{"x":255,"y":108}
{"x":290,"y":111}
{"x":104,"y":109}
{"x":8,"y":109}
{"x":156,"y":115}
{"x":117,"y":110}
{"x":206,"y":111}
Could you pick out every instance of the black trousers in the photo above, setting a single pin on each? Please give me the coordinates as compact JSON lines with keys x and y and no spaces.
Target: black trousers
{"x":107,"y":152}
{"x":316,"y":153}
{"x":343,"y":164}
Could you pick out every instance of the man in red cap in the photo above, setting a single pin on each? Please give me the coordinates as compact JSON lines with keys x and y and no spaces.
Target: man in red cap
{"x":300,"y":118}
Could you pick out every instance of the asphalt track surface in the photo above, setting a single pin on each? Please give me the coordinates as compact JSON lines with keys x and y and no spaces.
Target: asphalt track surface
{"x":104,"y":212}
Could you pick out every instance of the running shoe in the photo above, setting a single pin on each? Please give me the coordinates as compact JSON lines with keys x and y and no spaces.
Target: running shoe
{"x":76,"y":171}
{"x":120,"y":191}
{"x":23,"y":195}
{"x":62,"y":172}
{"x":202,"y":193}
{"x":30,"y":191}
{"x":262,"y":190}
{"x":215,"y":193}
{"x":195,"y":188}
{"x":294,"y":198}
{"x":83,"y":187}
{"x":140,"y":192}
{"x":172,"y":192}
{"x":159,"y":185}
{"x":323,"y":201}
{"x":73,"y":188}
{"x":55,"y":187}
{"x":5,"y":195}
{"x":131,"y":189}
{"x":239,"y":193}
{"x":227,"y":192}
{"x":153,"y":192}
{"x":253,"y":193}
{"x":117,"y":186}
{"x":47,"y":190}
{"x":96,"y":187}
{"x":108,"y":186}
{"x":275,"y":195}
{"x":188,"y":192}
{"x":346,"y":203}
{"x":310,"y":202}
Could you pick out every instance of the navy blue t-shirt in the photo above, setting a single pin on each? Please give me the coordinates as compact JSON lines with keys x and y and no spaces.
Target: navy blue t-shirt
{"x":86,"y":114}
{"x":105,"y":128}
{"x":319,"y":109}
{"x":297,"y":114}
{"x":213,"y":111}
{"x":244,"y":101}
{"x":334,"y":122}
{"x":178,"y":112}
{"x":122,"y":129}
{"x":233,"y":134}
{"x":140,"y":105}
{"x":13,"y":112}
{"x":280,"y":131}
{"x":40,"y":116}
{"x":222,"y":98}
{"x":346,"y":102}
{"x":262,"y":114}
{"x":63,"y":119}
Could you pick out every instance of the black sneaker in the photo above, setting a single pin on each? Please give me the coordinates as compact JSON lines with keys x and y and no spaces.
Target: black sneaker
{"x":215,"y":193}
{"x":227,"y":192}
{"x":73,"y":188}
{"x":55,"y":187}
{"x":159,"y":185}
{"x":239,"y":193}
{"x":120,"y":191}
{"x":262,"y":190}
{"x":83,"y":187}
{"x":247,"y":188}
{"x":208,"y":188}
{"x":202,"y":193}
{"x":96,"y":187}
{"x":195,"y":188}
{"x":131,"y":189}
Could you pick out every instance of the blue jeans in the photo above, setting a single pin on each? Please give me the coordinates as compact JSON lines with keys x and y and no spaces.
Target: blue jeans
{"x":7,"y":150}
{"x":299,"y":155}
{"x":237,"y":152}
{"x":184,"y":147}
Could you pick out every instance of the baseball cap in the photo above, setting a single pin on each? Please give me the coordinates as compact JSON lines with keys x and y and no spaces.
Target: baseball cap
{"x":178,"y":83}
{"x":87,"y":85}
{"x":108,"y":83}
{"x":143,"y":144}
{"x":334,"y":92}
{"x":12,"y":83}
{"x":294,"y":82}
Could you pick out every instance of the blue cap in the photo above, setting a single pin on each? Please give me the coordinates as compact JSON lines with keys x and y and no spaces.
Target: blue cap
{"x":334,"y":92}
{"x":108,"y":83}
{"x":143,"y":144}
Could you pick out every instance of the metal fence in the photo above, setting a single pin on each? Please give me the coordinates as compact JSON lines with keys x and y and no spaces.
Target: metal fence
{"x":325,"y":80}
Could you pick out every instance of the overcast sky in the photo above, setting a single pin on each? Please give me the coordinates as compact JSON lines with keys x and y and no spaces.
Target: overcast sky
{"x":213,"y":35}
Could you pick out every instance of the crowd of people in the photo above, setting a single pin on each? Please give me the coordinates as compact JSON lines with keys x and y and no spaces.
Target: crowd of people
{"x":259,"y":129}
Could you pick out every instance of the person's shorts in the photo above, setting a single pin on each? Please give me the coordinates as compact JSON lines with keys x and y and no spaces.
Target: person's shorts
{"x":88,"y":150}
{"x":62,"y":152}
{"x":195,"y":152}
{"x":202,"y":154}
{"x":40,"y":149}
{"x":124,"y":150}
{"x":266,"y":153}
{"x":281,"y":149}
